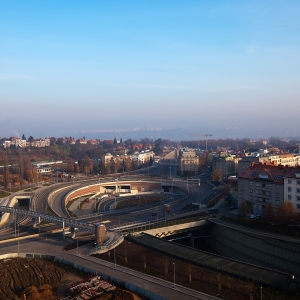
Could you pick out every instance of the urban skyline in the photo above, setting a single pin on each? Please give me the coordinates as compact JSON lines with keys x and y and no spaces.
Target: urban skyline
{"x":69,"y":67}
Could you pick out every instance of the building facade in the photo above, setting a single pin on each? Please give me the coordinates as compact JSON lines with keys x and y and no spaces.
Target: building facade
{"x":261,"y":184}
{"x":292,"y":187}
{"x":188,"y":162}
{"x":227,"y":164}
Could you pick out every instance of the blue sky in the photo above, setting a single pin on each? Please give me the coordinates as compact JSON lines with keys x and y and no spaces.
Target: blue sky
{"x":71,"y":66}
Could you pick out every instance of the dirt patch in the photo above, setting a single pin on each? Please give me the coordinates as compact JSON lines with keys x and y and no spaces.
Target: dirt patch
{"x":38,"y":279}
{"x":45,"y":291}
{"x":20,"y":273}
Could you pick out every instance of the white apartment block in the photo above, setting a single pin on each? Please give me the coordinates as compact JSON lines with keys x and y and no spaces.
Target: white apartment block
{"x":292,"y":188}
{"x":143,"y":156}
{"x":188,"y":160}
{"x":106,"y":158}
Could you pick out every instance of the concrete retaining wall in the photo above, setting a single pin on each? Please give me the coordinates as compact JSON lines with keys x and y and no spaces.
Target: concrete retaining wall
{"x":266,"y":251}
{"x":5,"y":216}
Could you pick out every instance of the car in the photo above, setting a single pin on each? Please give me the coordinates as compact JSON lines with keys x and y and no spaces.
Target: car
{"x":254,"y":216}
{"x":233,"y":207}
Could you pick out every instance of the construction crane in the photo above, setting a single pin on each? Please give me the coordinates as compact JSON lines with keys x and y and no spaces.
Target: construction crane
{"x":206,"y":135}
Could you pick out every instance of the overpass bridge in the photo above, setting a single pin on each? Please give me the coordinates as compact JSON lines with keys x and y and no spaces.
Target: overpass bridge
{"x":52,"y":219}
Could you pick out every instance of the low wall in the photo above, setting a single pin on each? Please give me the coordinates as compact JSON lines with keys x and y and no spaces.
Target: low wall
{"x":267,"y":250}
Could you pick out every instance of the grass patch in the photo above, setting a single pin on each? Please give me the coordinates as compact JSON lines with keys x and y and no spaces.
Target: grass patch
{"x":50,"y":212}
{"x":4,"y":194}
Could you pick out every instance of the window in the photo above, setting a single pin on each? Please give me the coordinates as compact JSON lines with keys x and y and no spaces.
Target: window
{"x":289,"y":181}
{"x":298,"y":190}
{"x":289,"y":189}
{"x":277,"y":195}
{"x":270,"y":186}
{"x":250,"y":197}
{"x":250,"y":190}
{"x":290,"y":197}
{"x":250,"y":183}
{"x":277,"y":187}
{"x":298,"y":182}
{"x":298,"y":198}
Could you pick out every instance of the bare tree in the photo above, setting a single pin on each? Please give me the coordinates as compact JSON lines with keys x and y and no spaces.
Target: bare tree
{"x":166,"y":265}
{"x":286,"y":212}
{"x":268,"y":212}
{"x":244,"y":208}
{"x":5,"y":171}
{"x":219,"y":283}
{"x":217,"y":174}
{"x":189,"y":273}
{"x":21,"y":169}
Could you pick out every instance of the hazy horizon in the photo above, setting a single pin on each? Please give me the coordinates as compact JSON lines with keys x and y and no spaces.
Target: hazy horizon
{"x":72,"y":67}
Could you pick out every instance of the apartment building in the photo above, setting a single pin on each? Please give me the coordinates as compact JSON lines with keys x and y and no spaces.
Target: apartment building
{"x":143,"y":156}
{"x":292,"y":187}
{"x":188,"y":161}
{"x":261,"y":184}
{"x":106,"y":158}
{"x":228,"y":164}
{"x":288,"y":159}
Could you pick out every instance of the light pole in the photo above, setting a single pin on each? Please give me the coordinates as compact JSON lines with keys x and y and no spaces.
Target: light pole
{"x":174,"y":275}
{"x":18,"y":239}
{"x":115,"y":257}
{"x":15,"y":219}
{"x":261,"y":293}
{"x":77,"y":245}
{"x":156,"y":214}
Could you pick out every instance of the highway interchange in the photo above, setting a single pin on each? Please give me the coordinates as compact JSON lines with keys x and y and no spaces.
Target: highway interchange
{"x":54,"y":244}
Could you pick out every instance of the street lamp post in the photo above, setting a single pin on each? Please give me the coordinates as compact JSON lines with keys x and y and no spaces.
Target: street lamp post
{"x":261,"y":293}
{"x":115,"y":257}
{"x":77,"y":245}
{"x":174,"y":276}
{"x":156,"y":214}
{"x":15,"y":219}
{"x":18,"y":239}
